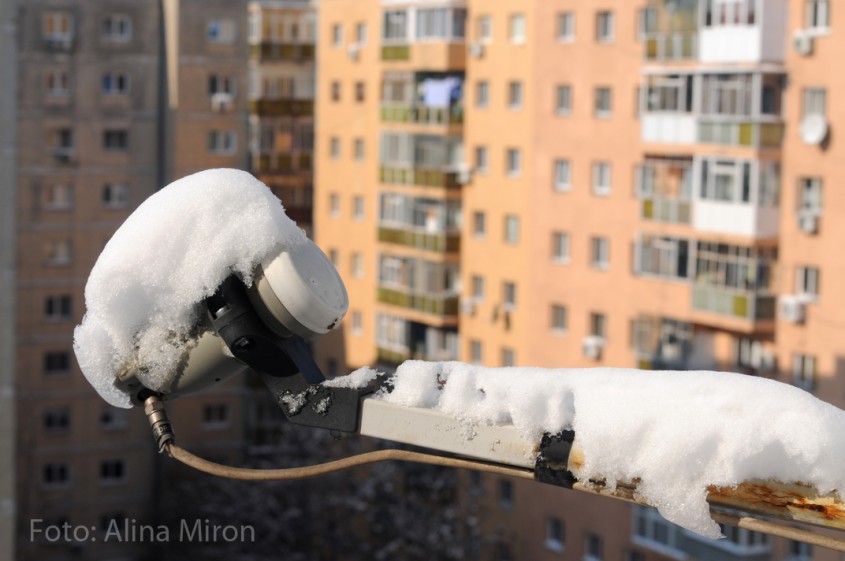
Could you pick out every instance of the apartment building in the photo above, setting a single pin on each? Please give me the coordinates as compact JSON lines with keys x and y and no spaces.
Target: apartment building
{"x":282,"y":38}
{"x":615,"y":184}
{"x":115,"y":99}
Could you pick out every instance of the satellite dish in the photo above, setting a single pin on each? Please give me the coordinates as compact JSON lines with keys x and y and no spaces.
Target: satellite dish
{"x":814,"y":129}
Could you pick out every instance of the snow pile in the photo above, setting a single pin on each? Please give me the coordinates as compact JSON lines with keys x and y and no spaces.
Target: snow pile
{"x":675,"y":432}
{"x":143,"y":294}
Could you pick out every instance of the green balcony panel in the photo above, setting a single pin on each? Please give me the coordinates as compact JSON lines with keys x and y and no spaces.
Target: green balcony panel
{"x":648,"y":209}
{"x":396,"y":52}
{"x":740,"y":307}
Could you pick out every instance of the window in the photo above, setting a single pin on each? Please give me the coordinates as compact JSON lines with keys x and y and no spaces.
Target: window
{"x":511,"y":229}
{"x":334,"y":147}
{"x":807,"y":282}
{"x":599,"y":253}
{"x":358,"y":149}
{"x":509,"y":295}
{"x":817,"y":14}
{"x":58,"y":308}
{"x":56,"y":474}
{"x":56,"y":420}
{"x":477,"y":288}
{"x":357,"y":265}
{"x":476,"y":352}
{"x":601,"y":178}
{"x":117,"y":28}
{"x":514,"y":95}
{"x":113,"y":418}
{"x":482,"y":161}
{"x":604,"y":27}
{"x":560,"y":247}
{"x":57,"y":27}
{"x":484,"y":29}
{"x":810,"y":195}
{"x":482,"y":94}
{"x":566,"y":27}
{"x":112,"y":471}
{"x":479,"y":226}
{"x":800,"y":551}
{"x":221,"y":31}
{"x":514,"y":162}
{"x":517,"y":29}
{"x":593,"y":549}
{"x":395,"y":27}
{"x":508,"y":357}
{"x":441,"y":23}
{"x":337,"y":35}
{"x":59,"y":253}
{"x":221,"y":84}
{"x":333,"y":257}
{"x":57,"y":197}
{"x":215,"y":415}
{"x":647,"y":22}
{"x":598,"y":325}
{"x":56,"y":363}
{"x":726,"y":180}
{"x":57,"y":83}
{"x":804,"y":371}
{"x":662,"y":256}
{"x":559,"y":320}
{"x":63,"y":139}
{"x":115,"y":83}
{"x":562,"y":175}
{"x":357,"y":323}
{"x":359,"y":91}
{"x":358,"y":208}
{"x":655,"y":532}
{"x":115,"y":195}
{"x":554,"y":534}
{"x":563,"y":99}
{"x":361,"y":34}
{"x":815,"y":102}
{"x":335,"y":87}
{"x":334,"y":205}
{"x":604,"y":103}
{"x":222,"y":142}
{"x":115,"y":140}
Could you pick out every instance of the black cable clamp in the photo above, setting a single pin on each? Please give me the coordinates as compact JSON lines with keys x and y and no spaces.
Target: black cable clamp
{"x":553,"y":460}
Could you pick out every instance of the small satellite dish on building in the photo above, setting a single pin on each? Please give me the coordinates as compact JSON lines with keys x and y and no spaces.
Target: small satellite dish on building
{"x":814,"y":129}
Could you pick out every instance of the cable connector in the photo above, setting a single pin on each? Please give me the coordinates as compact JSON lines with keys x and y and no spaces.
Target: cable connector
{"x":162,"y":431}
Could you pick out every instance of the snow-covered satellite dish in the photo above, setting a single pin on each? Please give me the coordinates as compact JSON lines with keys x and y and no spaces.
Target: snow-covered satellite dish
{"x":813,"y":129}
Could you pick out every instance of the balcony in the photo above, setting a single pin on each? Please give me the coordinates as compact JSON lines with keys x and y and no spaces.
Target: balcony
{"x":428,"y":304}
{"x":281,"y":107}
{"x":282,"y":52}
{"x":672,"y":211}
{"x":431,"y":55}
{"x":751,"y":33}
{"x":283,"y":163}
{"x":419,"y":176}
{"x":671,"y":46}
{"x":738,"y":304}
{"x":439,"y":242}
{"x":422,"y":115}
{"x":391,"y":53}
{"x":392,"y":356}
{"x":734,"y":219}
{"x":717,"y":130}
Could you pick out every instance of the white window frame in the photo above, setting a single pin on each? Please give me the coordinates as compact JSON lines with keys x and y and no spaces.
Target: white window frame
{"x":222,"y":31}
{"x":482,"y":159}
{"x":57,"y":20}
{"x":515,"y":95}
{"x":561,"y":248}
{"x":484,"y":28}
{"x":810,"y":195}
{"x":117,"y":28}
{"x":361,"y":33}
{"x":357,"y":265}
{"x":516,"y":29}
{"x":57,"y":82}
{"x":358,"y":149}
{"x":563,"y":99}
{"x":395,"y":27}
{"x":817,"y":15}
{"x":591,"y":555}
{"x":558,"y":319}
{"x":562,"y":175}
{"x":479,"y":224}
{"x":807,"y":282}
{"x":602,"y":180}
{"x":605,"y":26}
{"x":511,"y":229}
{"x":513,"y":162}
{"x":653,"y":525}
{"x":476,"y":351}
{"x":508,"y":359}
{"x":478,"y":286}
{"x":509,"y":298}
{"x":358,"y":208}
{"x":599,"y":253}
{"x":57,"y":196}
{"x":114,"y":78}
{"x":814,"y":102}
{"x":222,"y":142}
{"x":59,"y":253}
{"x":357,"y":323}
{"x":482,"y":94}
{"x":334,"y":148}
{"x":334,"y":205}
{"x":566,"y":27}
{"x":804,"y":371}
{"x":115,"y":196}
{"x":603,"y":102}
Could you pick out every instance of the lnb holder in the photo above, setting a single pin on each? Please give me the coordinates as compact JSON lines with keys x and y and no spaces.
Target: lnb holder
{"x":284,"y":363}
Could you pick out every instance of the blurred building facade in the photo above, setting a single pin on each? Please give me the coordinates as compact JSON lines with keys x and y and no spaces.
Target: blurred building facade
{"x":565,"y":184}
{"x":113,"y":97}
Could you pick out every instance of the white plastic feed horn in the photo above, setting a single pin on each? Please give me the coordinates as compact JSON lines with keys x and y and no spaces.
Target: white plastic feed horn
{"x":303,"y":291}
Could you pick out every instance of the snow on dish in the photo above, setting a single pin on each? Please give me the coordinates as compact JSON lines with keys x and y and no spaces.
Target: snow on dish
{"x":674,"y":432}
{"x":142,"y":297}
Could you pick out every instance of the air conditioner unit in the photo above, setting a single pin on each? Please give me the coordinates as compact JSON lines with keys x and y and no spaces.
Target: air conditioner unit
{"x":476,"y":50}
{"x":222,"y":102}
{"x":468,"y":304}
{"x":802,"y":43}
{"x":353,"y":50}
{"x":63,"y":154}
{"x":464,"y":175}
{"x":791,"y":308}
{"x":592,"y":347}
{"x":808,"y":221}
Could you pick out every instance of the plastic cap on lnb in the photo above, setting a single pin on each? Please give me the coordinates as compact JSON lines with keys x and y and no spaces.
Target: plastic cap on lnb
{"x":300,"y":292}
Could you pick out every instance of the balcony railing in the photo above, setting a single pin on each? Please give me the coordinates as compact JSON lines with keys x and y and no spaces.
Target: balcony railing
{"x":420,"y":114}
{"x":396,"y":52}
{"x":435,"y":305}
{"x":674,"y":211}
{"x":731,"y":133}
{"x":283,"y":162}
{"x":282,"y":52}
{"x":420,"y":240}
{"x":419,"y":176}
{"x":738,"y":304}
{"x":281,"y":107}
{"x":672,"y":46}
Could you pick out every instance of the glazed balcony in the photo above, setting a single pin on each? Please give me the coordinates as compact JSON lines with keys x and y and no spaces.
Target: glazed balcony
{"x":425,"y":37}
{"x":419,"y":176}
{"x":281,"y":107}
{"x":399,"y":339}
{"x":664,"y":187}
{"x":422,"y":115}
{"x":743,"y":305}
{"x":283,"y":163}
{"x":420,"y":239}
{"x":672,"y":46}
{"x":441,"y":306}
{"x":281,"y":52}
